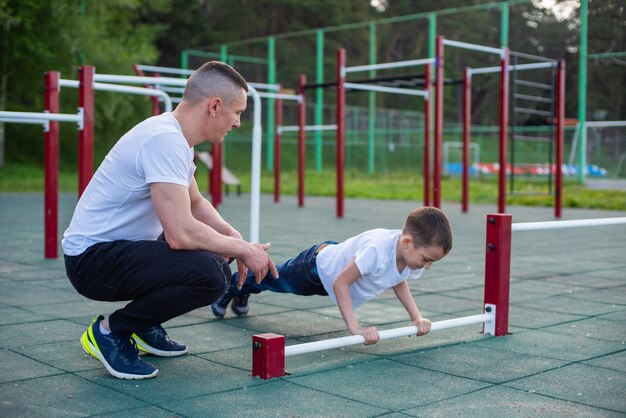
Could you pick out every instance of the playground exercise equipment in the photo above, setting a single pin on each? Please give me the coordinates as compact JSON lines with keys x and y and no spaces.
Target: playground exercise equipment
{"x":88,"y":82}
{"x":365,"y":85}
{"x":504,"y":69}
{"x":269,"y":350}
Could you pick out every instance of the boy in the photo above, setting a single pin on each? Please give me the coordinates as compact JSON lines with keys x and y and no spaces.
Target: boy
{"x":357,"y":270}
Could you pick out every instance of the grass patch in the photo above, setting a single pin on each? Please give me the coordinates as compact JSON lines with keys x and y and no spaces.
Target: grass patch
{"x":397,"y":185}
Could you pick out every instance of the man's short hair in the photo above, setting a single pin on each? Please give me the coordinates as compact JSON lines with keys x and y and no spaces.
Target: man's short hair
{"x":214,"y":79}
{"x":429,"y":226}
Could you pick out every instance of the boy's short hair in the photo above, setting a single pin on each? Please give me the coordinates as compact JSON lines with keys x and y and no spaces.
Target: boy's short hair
{"x":214,"y":79}
{"x":429,"y":226}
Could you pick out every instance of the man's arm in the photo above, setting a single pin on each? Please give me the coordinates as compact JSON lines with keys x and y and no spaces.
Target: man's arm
{"x":183,"y":231}
{"x":403,"y":292}
{"x":341,"y":286}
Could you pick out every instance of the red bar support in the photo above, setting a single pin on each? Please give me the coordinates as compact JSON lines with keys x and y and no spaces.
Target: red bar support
{"x":427,"y":116}
{"x":498,"y":268}
{"x":341,"y":127}
{"x":278,"y":112}
{"x":51,"y":167}
{"x":85,"y":135}
{"x":268,"y":355}
{"x":467,"y":121}
{"x":560,"y":119}
{"x":439,"y":61}
{"x":504,"y":125}
{"x":216,"y":175}
{"x":301,"y":139}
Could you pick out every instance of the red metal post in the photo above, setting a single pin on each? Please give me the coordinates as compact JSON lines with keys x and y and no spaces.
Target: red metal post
{"x":427,"y":116}
{"x":498,"y":268}
{"x":504,"y":125}
{"x":560,"y":119}
{"x":301,"y":139}
{"x":439,"y":62}
{"x":51,"y":167}
{"x":216,"y":171}
{"x":85,"y":135}
{"x":268,"y":356}
{"x":467,"y":120}
{"x":341,"y":127}
{"x":278,"y":112}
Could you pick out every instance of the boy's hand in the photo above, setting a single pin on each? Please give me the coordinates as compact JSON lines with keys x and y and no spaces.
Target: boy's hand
{"x":370,"y":334}
{"x":423,"y":326}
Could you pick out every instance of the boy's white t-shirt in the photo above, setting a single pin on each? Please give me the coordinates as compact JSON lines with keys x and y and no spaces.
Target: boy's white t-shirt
{"x":374,"y":252}
{"x":117,"y":204}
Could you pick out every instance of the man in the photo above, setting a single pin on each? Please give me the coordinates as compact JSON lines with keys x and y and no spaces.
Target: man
{"x":145,"y":186}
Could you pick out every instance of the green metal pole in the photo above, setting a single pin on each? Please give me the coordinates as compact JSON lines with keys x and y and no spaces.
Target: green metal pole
{"x":504,"y":25}
{"x":319,"y":98}
{"x":582,"y":94}
{"x":271,"y":79}
{"x":184,"y":60}
{"x":371,"y":129}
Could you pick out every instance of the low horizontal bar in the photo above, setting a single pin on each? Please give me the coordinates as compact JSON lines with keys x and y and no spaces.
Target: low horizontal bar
{"x":538,"y":226}
{"x":474,"y":47}
{"x":293,"y":350}
{"x":386,"y":65}
{"x":606,"y":124}
{"x":533,"y":84}
{"x":384,"y":89}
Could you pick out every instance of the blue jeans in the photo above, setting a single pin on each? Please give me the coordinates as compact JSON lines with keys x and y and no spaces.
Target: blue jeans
{"x":297,"y":276}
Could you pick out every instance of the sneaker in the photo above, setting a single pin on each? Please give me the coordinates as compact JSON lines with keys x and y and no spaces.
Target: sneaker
{"x":155,"y":341}
{"x":219,"y":307}
{"x":119,"y":354}
{"x":240,"y":305}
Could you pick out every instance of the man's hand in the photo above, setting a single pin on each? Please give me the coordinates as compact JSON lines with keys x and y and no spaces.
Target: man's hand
{"x":369,"y":333}
{"x":423,"y":326}
{"x":258,"y":260}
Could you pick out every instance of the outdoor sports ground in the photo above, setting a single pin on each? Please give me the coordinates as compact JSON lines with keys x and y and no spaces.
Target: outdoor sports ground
{"x":565,"y":354}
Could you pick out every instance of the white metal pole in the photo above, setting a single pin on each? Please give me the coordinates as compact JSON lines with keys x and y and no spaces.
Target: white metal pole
{"x":255,"y":176}
{"x":293,"y":350}
{"x":474,"y":47}
{"x":538,"y":226}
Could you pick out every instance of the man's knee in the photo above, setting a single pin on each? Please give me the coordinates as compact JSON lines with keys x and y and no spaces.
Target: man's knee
{"x":216,"y":275}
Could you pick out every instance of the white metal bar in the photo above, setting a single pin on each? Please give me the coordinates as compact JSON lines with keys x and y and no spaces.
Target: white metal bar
{"x":266,"y":86}
{"x":296,"y":97}
{"x":606,"y":123}
{"x":120,"y":88}
{"x":538,"y":226}
{"x":474,"y":47}
{"x":255,"y":182}
{"x":26,"y":121}
{"x":518,"y":67}
{"x":167,"y":70}
{"x":293,"y":350}
{"x":384,"y":89}
{"x":296,"y":128}
{"x":41,"y":117}
{"x":133,"y":79}
{"x":386,"y":65}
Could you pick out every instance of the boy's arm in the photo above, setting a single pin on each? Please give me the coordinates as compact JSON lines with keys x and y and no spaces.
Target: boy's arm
{"x":341,"y":286}
{"x":403,"y":292}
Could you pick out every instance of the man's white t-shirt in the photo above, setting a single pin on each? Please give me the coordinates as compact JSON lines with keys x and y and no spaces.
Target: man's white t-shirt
{"x":374,"y":253}
{"x":117,"y":204}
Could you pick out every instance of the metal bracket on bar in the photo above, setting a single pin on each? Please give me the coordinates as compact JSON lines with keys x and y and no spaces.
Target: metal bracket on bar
{"x":80,"y":123}
{"x":490,"y":324}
